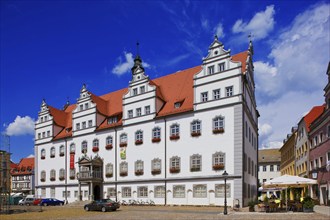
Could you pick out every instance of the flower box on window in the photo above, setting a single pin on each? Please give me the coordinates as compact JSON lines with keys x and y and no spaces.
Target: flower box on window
{"x":218,"y":131}
{"x":155,"y":140}
{"x":52,"y":179}
{"x":43,"y":157}
{"x":218,"y":167}
{"x":124,"y":144}
{"x":61,"y":178}
{"x":138,"y":142}
{"x":123,"y":173}
{"x":72,"y":177}
{"x":61,"y":154}
{"x":52,"y":156}
{"x":139,"y":172}
{"x":42,"y":180}
{"x":174,"y":137}
{"x":155,"y":172}
{"x":195,"y":169}
{"x":174,"y":170}
{"x":196,"y":134}
{"x":108,"y":175}
{"x":95,"y":149}
{"x":108,"y":146}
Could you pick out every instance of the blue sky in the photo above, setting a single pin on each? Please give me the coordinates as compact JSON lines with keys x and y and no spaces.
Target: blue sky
{"x":50,"y":48}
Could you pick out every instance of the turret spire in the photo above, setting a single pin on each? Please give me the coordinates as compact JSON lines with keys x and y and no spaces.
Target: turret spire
{"x":137,"y":59}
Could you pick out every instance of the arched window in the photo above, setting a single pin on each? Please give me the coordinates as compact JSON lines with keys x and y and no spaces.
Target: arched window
{"x":218,"y":161}
{"x":123,"y":140}
{"x":61,"y":151}
{"x":138,"y":137}
{"x":72,"y":148}
{"x":175,"y":164}
{"x":109,"y":170}
{"x":156,"y":134}
{"x":123,"y":168}
{"x":196,"y":128}
{"x":62,"y":174}
{"x":195,"y":163}
{"x":175,"y":131}
{"x":108,"y":140}
{"x":139,"y":167}
{"x":43,"y":176}
{"x":95,"y":143}
{"x":43,"y":154}
{"x":84,"y":147}
{"x":52,"y":152}
{"x":52,"y":175}
{"x":156,"y":166}
{"x":72,"y":173}
{"x":218,"y":124}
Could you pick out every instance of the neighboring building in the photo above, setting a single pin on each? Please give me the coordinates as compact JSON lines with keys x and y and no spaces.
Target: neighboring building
{"x":319,"y":156}
{"x":4,"y":179}
{"x":302,"y":145}
{"x":288,"y":155}
{"x":269,"y":161}
{"x":23,"y":176}
{"x":168,"y":140}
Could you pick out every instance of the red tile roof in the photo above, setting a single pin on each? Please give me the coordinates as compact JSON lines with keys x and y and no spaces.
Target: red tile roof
{"x":173,"y":88}
{"x":24,"y":165}
{"x":314,"y":113}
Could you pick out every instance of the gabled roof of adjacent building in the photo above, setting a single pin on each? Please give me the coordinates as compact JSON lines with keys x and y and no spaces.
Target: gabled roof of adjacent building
{"x":25,"y":166}
{"x":314,"y":113}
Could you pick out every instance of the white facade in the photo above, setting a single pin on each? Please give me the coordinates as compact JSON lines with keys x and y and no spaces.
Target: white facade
{"x":200,"y":136}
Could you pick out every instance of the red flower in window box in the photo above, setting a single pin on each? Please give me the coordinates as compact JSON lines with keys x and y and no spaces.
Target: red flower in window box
{"x":52,"y":179}
{"x":139,"y":172}
{"x":155,"y":172}
{"x":174,"y":170}
{"x":124,"y":144}
{"x":72,"y":177}
{"x":42,"y":180}
{"x":218,"y":131}
{"x":108,"y":175}
{"x":43,"y":157}
{"x":95,"y":149}
{"x":218,"y":167}
{"x":61,"y":154}
{"x":155,"y":140}
{"x":195,"y":134}
{"x":174,"y":137}
{"x":52,"y":156}
{"x":61,"y":178}
{"x":123,"y":173}
{"x":108,"y":146}
{"x":138,"y":142}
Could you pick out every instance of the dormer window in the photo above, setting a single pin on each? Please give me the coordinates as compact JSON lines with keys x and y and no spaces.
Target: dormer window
{"x":130,"y":113}
{"x":142,"y":89}
{"x":41,"y":119}
{"x":177,"y":105}
{"x":210,"y":70}
{"x":135,"y":91}
{"x":81,"y":107}
{"x":86,"y":106}
{"x":138,"y":112}
{"x":46,"y":118}
{"x":112,"y":120}
{"x":221,"y":67}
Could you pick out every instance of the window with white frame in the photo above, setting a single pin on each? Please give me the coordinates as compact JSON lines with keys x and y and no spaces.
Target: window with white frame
{"x":72,"y":148}
{"x":90,"y":123}
{"x":264,"y":168}
{"x":156,"y":165}
{"x":204,"y":96}
{"x":84,"y":147}
{"x":48,"y":133}
{"x":123,"y":138}
{"x":81,"y":107}
{"x":138,"y":112}
{"x":139,"y":166}
{"x":62,"y":174}
{"x":147,"y":110}
{"x":175,"y":162}
{"x":221,"y":67}
{"x":216,"y":94}
{"x":43,"y":176}
{"x":77,"y":126}
{"x":111,"y":192}
{"x":130,"y":113}
{"x":218,"y":123}
{"x":39,"y":135}
{"x":271,"y":169}
{"x":86,"y":105}
{"x":83,"y":125}
{"x":43,"y":153}
{"x":200,"y":191}
{"x":220,"y":190}
{"x":156,"y":132}
{"x":108,"y":140}
{"x":175,"y":130}
{"x":179,"y":191}
{"x":195,"y":162}
{"x":218,"y":160}
{"x":72,"y":173}
{"x":43,"y":134}
{"x":108,"y":169}
{"x":229,"y":91}
{"x":135,"y":91}
{"x":210,"y":69}
{"x":95,"y":143}
{"x":52,"y":174}
{"x":159,"y":192}
{"x":196,"y":127}
{"x":123,"y":167}
{"x":112,"y":120}
{"x":142,"y":89}
{"x":142,"y":192}
{"x":61,"y":150}
{"x":52,"y":152}
{"x":126,"y":192}
{"x":139,"y":136}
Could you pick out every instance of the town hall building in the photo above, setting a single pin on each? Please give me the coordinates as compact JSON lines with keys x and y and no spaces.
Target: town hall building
{"x":167,"y":140}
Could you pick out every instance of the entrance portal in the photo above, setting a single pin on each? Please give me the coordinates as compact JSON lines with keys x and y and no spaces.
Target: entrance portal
{"x":97,"y":192}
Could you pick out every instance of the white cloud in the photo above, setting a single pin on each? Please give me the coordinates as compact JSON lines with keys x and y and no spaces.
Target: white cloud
{"x":219,"y":30}
{"x":30,"y":156}
{"x":21,"y":126}
{"x":126,"y":65}
{"x":265,"y":129}
{"x":260,"y":25}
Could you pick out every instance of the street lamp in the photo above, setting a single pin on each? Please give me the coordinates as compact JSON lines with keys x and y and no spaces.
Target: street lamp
{"x":225,"y":174}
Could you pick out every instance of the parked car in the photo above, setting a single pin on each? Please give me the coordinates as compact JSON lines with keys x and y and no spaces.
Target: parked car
{"x":26,"y":201}
{"x":103,"y":205}
{"x":51,"y":201}
{"x":37,"y":201}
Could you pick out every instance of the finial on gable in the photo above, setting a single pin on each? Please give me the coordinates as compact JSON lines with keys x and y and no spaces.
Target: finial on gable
{"x":137,"y":60}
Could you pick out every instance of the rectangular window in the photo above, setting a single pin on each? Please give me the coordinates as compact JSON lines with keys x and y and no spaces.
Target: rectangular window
{"x":86,"y":105}
{"x":48,"y":133}
{"x":84,"y":125}
{"x":204,"y":96}
{"x":264,"y":168}
{"x":138,"y":112}
{"x":147,"y":110}
{"x":210,"y":70}
{"x":111,"y":192}
{"x":271,"y":168}
{"x":126,"y":192}
{"x":135,"y":91}
{"x":142,"y":192}
{"x":86,"y":193}
{"x":159,"y":191}
{"x":130,"y":113}
{"x":78,"y":126}
{"x":177,"y":105}
{"x":43,"y":134}
{"x":43,"y":192}
{"x":81,"y":107}
{"x":112,"y":120}
{"x":220,"y":190}
{"x":278,"y":167}
{"x":200,"y":191}
{"x":142,"y":89}
{"x":179,"y":191}
{"x":229,"y":91}
{"x":39,"y":135}
{"x":216,"y":94}
{"x":221,"y":67}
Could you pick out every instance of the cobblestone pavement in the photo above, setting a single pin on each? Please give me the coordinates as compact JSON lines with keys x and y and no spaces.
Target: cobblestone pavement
{"x":155,"y":212}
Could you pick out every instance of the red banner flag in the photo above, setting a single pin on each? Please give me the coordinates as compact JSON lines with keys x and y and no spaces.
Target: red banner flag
{"x":71,"y":161}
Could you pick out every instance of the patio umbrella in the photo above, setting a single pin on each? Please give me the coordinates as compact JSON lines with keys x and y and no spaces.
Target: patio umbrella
{"x":286,"y":181}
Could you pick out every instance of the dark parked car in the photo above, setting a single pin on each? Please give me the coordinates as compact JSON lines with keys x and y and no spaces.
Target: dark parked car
{"x":103,"y":205}
{"x":51,"y":201}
